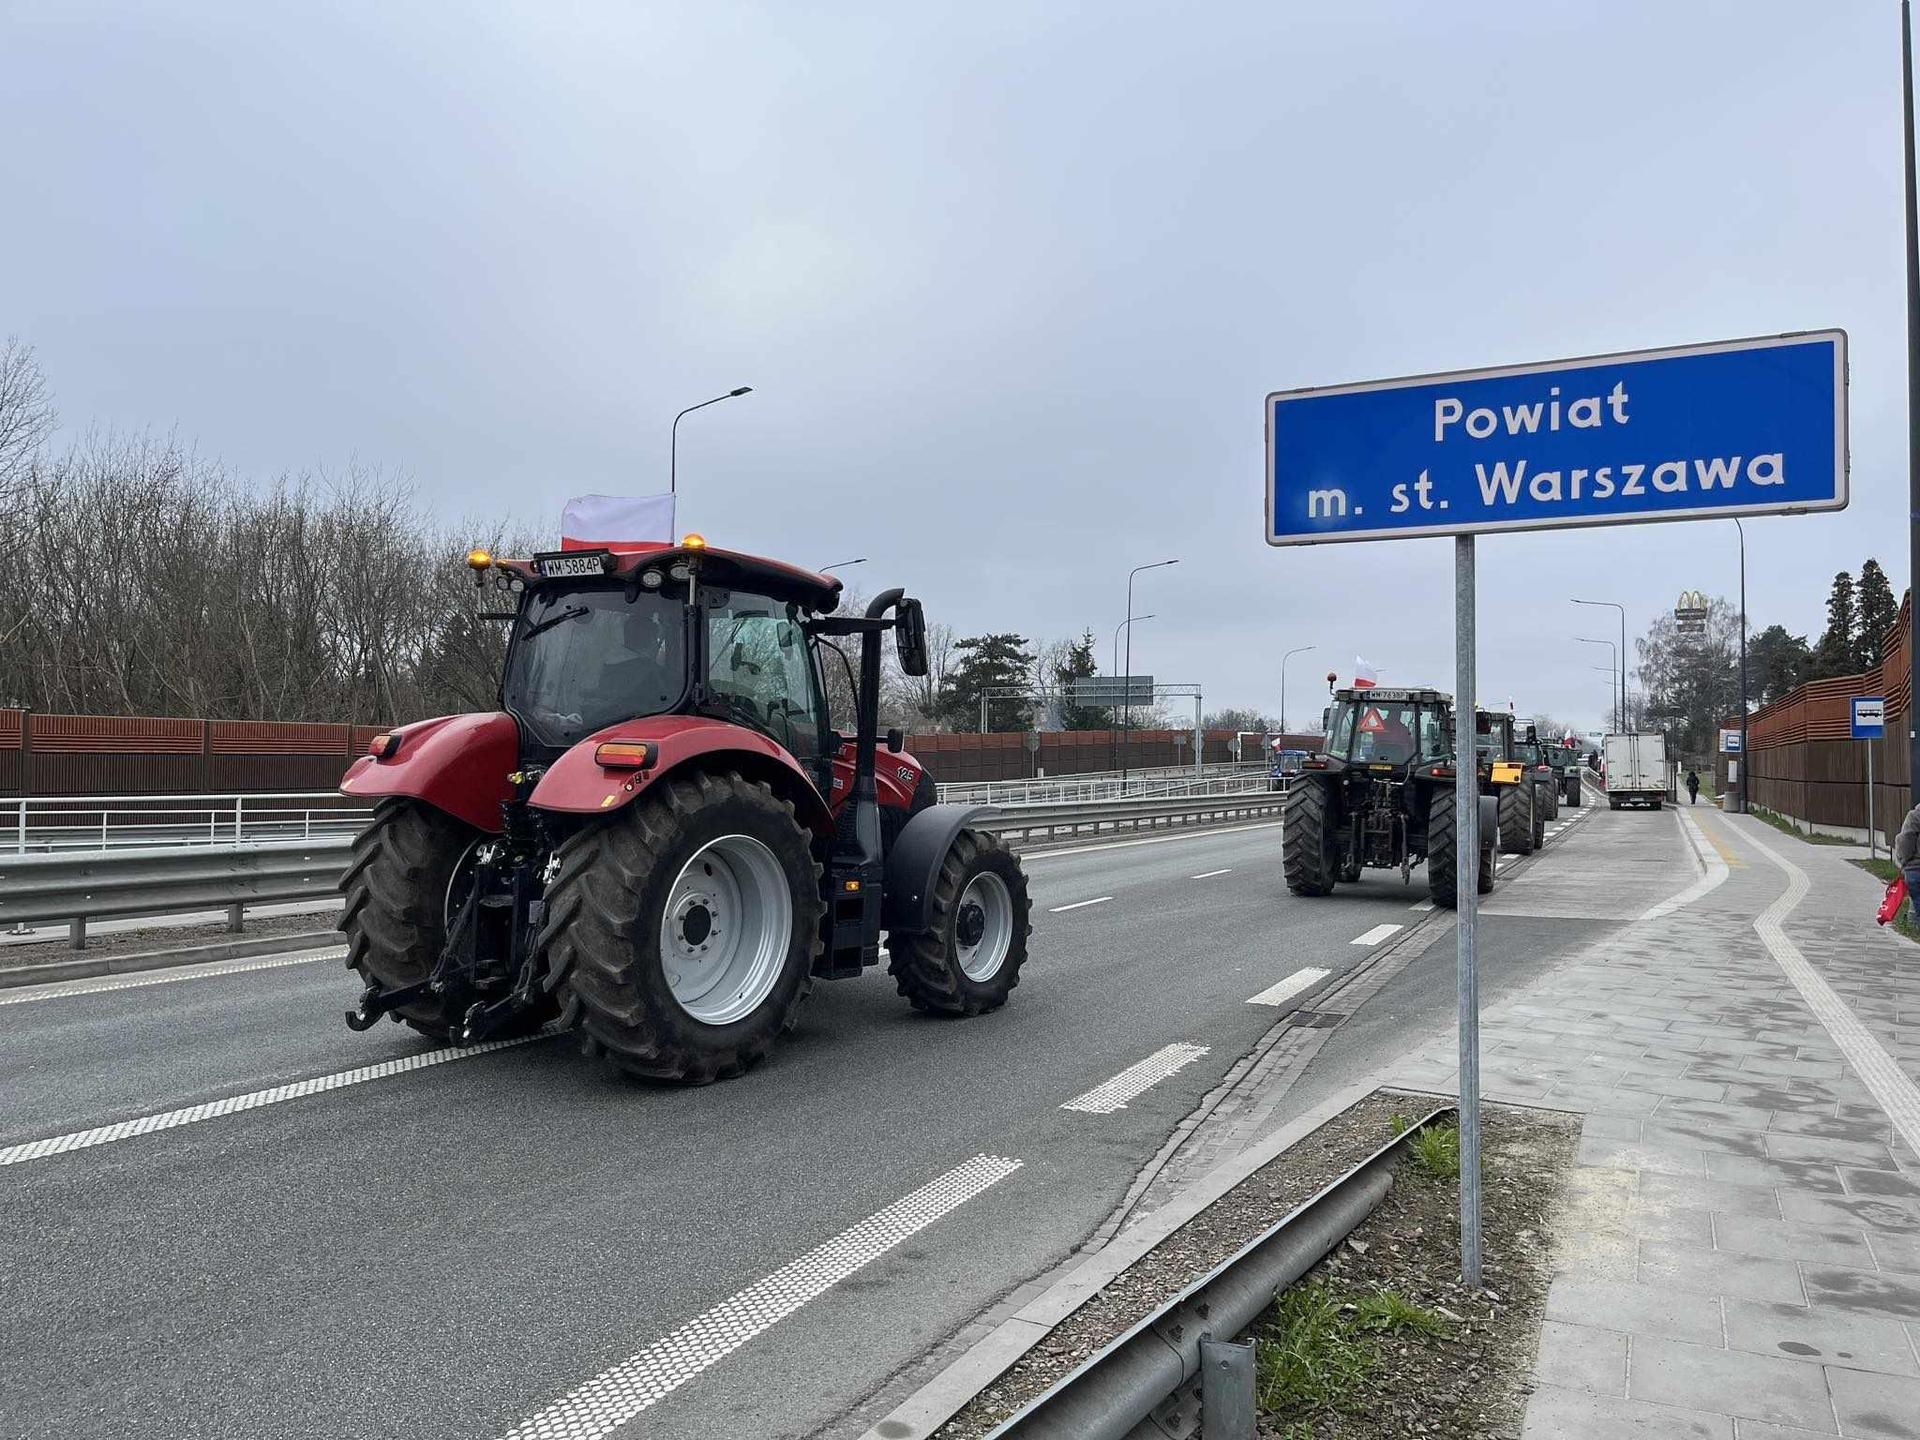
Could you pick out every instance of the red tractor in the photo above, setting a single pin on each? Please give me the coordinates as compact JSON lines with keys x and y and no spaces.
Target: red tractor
{"x":657,"y":837}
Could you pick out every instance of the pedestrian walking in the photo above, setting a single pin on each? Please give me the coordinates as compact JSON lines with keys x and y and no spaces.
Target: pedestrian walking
{"x":1906,"y":847}
{"x":1693,"y":787}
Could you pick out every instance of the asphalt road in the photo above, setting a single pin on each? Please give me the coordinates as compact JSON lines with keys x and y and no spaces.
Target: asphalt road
{"x":450,"y":1250}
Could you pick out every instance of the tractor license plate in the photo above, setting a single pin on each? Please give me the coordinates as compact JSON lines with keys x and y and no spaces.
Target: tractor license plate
{"x":553,"y":567}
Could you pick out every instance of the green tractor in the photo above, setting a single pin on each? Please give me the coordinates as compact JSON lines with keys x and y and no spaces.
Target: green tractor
{"x":1381,"y":796}
{"x":1536,"y":756}
{"x":1522,"y":818}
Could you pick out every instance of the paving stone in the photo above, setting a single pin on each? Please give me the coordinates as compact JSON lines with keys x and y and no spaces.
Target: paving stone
{"x":1706,"y":1135}
{"x":1820,"y":1337}
{"x":1716,"y":1272}
{"x":1734,"y":1382}
{"x":1785,"y":1240}
{"x":1613,"y":1127}
{"x":1761,"y":1430}
{"x":1886,"y":1407}
{"x":1640,"y":1155}
{"x":1688,"y":1089}
{"x":1733,"y":1117}
{"x":1896,"y":1252}
{"x":1639,"y":1309}
{"x":1883,"y":1183}
{"x":1871,"y":1155}
{"x":1799,"y":1174}
{"x":1597,"y":1254}
{"x":1599,"y":1099}
{"x":1863,"y":1292}
{"x":1577,"y":1357}
{"x":1864,"y":1132}
{"x":1900,"y":1217}
{"x":1557,"y":1414}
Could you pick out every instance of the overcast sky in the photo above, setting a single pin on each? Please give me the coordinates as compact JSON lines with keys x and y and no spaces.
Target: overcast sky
{"x":1010,"y":281}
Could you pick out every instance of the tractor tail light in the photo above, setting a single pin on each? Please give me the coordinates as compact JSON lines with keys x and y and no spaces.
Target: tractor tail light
{"x":1443,"y":772}
{"x":384,"y":747}
{"x":623,"y":755}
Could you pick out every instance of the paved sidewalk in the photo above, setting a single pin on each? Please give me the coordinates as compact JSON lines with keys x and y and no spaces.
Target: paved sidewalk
{"x":1740,"y":1253}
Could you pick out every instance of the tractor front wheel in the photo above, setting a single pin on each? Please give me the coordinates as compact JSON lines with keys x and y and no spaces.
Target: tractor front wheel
{"x":685,"y":927}
{"x":1309,"y":855}
{"x":969,"y":960}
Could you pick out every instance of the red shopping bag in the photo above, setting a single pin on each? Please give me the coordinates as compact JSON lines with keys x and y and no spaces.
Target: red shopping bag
{"x":1896,"y":893}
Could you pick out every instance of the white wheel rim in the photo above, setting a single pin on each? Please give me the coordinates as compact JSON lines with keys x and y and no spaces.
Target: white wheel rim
{"x":726,"y":930}
{"x":983,"y":926}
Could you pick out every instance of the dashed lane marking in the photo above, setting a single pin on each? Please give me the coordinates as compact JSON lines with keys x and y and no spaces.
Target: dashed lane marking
{"x":1376,"y":934}
{"x":61,"y":990}
{"x":1136,"y":1080}
{"x":616,"y":1395}
{"x":1423,"y":906}
{"x":254,"y":1100}
{"x":1209,"y":874}
{"x":1079,"y":905}
{"x":1298,"y":981}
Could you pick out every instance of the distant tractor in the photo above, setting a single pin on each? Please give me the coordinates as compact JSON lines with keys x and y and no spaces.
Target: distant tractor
{"x":1522,"y":815}
{"x":1536,"y":755}
{"x":658,"y":838}
{"x":1381,"y":796}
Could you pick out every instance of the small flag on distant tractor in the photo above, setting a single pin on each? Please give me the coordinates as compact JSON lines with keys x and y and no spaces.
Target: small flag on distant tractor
{"x":1365,"y":677}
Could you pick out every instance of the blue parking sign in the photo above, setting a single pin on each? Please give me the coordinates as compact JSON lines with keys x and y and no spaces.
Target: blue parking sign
{"x":1739,"y":427}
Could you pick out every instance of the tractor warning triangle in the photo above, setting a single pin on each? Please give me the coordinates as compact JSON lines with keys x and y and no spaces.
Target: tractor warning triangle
{"x":1371,"y":723}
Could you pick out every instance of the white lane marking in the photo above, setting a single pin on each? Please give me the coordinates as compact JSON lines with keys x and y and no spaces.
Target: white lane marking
{"x":61,"y":989}
{"x":1079,"y":905}
{"x":1291,"y":986}
{"x":1209,"y":874}
{"x":619,"y":1393}
{"x":1424,"y":906}
{"x":1708,"y":857}
{"x":1878,"y":1071}
{"x":236,"y":1104}
{"x":1198,"y":833}
{"x":1376,"y":934}
{"x":1136,"y":1080}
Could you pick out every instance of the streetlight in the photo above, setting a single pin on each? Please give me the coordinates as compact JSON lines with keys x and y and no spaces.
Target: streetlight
{"x":1126,"y":714}
{"x":1126,"y":625}
{"x":673,"y":444}
{"x":842,"y":564}
{"x":1297,"y":650}
{"x":1612,"y":669}
{"x":1616,"y":605}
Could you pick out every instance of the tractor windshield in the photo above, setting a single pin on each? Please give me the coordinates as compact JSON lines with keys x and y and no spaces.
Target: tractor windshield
{"x":584,"y":659}
{"x":1388,"y":731}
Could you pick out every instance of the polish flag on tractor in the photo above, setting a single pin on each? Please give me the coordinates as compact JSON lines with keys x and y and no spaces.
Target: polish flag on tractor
{"x":1365,"y":677}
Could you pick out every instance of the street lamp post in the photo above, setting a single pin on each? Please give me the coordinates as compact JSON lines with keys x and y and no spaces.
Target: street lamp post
{"x":1127,"y":625}
{"x":673,"y":443}
{"x":1621,"y":718}
{"x":1297,"y":650}
{"x":1613,"y":669}
{"x":1126,"y":713}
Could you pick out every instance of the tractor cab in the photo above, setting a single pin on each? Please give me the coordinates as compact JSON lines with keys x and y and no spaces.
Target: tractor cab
{"x":1381,"y":731}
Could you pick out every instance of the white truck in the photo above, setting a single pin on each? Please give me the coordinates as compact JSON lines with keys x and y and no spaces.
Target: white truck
{"x":1636,"y":769}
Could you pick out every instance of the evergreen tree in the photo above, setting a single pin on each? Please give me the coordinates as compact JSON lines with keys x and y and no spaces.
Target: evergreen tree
{"x":988,"y":664}
{"x":1835,"y":654}
{"x":1878,"y":611}
{"x":1079,"y":664}
{"x":1776,"y":662}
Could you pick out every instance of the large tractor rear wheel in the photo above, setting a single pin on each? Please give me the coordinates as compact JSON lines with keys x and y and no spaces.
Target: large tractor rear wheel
{"x":969,"y":961}
{"x":686,"y":927}
{"x":1516,"y":819}
{"x":1310,"y":856}
{"x":1550,"y":795}
{"x":1443,"y":836}
{"x":402,"y":892}
{"x":1573,"y":789}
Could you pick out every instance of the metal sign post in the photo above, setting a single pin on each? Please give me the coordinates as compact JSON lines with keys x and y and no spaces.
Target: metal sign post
{"x":1466,"y":879}
{"x":1868,"y":714}
{"x":1739,"y":427}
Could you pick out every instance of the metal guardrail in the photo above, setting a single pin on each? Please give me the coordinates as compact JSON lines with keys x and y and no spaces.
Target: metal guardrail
{"x":104,"y":884}
{"x":38,"y":824}
{"x":1147,"y":1382}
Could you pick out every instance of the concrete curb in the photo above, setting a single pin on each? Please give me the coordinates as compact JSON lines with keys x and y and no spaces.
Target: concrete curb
{"x":13,"y":976}
{"x":936,"y":1402}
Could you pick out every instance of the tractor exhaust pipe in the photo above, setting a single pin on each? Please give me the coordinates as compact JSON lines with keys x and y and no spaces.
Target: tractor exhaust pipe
{"x":866,"y":797}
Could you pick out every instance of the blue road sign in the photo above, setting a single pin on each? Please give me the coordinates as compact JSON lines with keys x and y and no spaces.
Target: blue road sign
{"x":1869,"y":717}
{"x":1742,"y":427}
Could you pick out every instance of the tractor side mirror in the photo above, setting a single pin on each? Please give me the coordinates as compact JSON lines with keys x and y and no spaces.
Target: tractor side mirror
{"x":910,"y":637}
{"x":896,"y":741}
{"x":1533,"y":735}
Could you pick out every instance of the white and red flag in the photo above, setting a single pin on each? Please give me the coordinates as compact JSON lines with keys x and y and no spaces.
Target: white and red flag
{"x":592,"y":522}
{"x":1365,"y":677}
